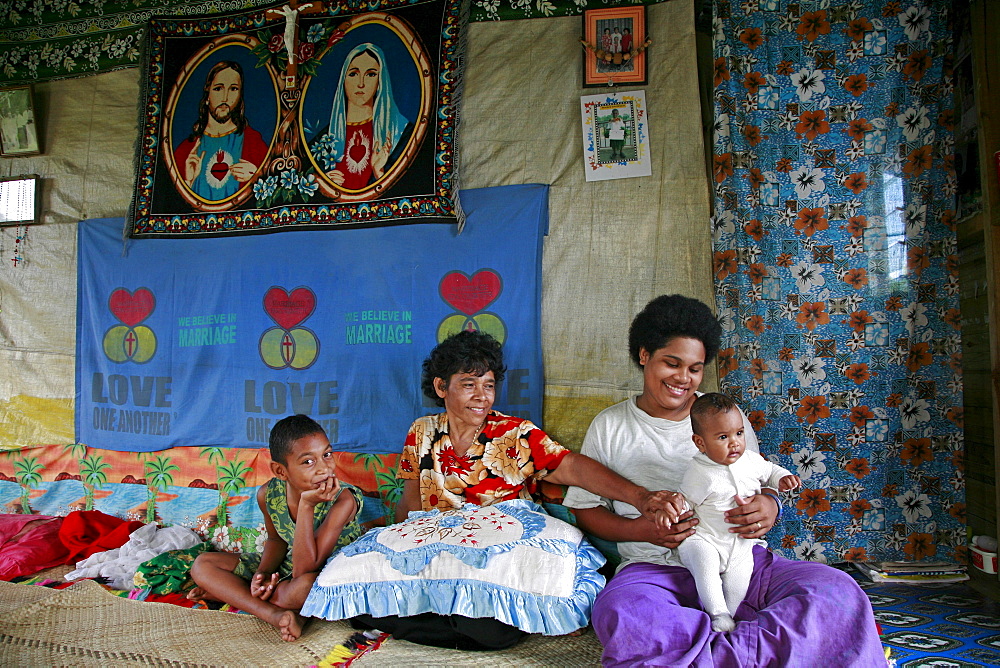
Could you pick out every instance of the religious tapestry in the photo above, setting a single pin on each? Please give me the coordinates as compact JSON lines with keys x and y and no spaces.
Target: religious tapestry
{"x":304,"y":115}
{"x":210,"y":343}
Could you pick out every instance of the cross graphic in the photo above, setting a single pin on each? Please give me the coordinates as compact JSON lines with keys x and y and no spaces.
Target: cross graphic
{"x":130,"y":341}
{"x":286,"y":347}
{"x":291,"y":13}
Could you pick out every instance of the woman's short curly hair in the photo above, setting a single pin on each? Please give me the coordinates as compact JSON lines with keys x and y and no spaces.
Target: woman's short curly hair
{"x":674,"y":316}
{"x":466,"y":352}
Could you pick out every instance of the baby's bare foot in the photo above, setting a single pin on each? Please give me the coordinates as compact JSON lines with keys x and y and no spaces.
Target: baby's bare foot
{"x":290,"y":624}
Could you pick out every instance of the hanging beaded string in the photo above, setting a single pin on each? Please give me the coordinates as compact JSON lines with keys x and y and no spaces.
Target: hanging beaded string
{"x":19,"y":209}
{"x":23,"y":208}
{"x":19,"y":239}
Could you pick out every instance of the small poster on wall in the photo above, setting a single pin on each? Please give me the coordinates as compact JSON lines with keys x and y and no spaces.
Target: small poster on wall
{"x":615,"y":135}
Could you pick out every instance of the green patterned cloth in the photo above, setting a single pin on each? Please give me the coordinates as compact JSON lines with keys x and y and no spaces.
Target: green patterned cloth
{"x":507,"y":10}
{"x":170,"y":572}
{"x":276,"y":505}
{"x":41,"y":41}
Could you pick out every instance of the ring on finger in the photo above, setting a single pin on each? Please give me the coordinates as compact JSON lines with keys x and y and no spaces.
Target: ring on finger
{"x":759,"y":527}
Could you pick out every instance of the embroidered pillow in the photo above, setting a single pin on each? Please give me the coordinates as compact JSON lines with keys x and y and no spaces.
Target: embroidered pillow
{"x":509,"y":561}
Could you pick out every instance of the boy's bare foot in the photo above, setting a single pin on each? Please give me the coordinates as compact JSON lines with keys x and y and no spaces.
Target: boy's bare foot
{"x":198,"y":595}
{"x":290,"y":625}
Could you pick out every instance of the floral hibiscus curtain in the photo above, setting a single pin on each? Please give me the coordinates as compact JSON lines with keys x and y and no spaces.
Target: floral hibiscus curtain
{"x":836,"y":266}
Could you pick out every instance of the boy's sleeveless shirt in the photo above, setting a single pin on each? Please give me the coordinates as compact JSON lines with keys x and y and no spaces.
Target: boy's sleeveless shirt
{"x":276,"y":504}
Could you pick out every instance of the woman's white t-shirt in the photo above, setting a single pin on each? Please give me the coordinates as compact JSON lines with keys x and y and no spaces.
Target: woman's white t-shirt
{"x":652,"y":452}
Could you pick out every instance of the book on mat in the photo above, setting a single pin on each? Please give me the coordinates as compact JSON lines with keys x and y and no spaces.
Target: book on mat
{"x":913,"y":572}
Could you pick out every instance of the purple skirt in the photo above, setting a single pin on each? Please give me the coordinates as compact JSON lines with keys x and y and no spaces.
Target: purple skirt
{"x":796,"y":613}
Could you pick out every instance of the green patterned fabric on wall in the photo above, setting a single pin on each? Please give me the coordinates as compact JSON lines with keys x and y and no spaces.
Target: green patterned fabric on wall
{"x":56,"y":39}
{"x":40,"y":41}
{"x":507,"y":10}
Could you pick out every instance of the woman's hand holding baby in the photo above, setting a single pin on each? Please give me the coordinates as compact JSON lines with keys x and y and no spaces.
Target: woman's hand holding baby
{"x":753,"y":516}
{"x":674,"y":505}
{"x":663,"y":507}
{"x":673,"y":535}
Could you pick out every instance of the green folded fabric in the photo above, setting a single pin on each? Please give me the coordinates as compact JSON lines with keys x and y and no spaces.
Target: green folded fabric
{"x":170,"y":572}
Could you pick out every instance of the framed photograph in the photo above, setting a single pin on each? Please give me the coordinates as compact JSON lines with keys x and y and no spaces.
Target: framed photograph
{"x":615,"y":44}
{"x":18,"y":133}
{"x":19,"y":200}
{"x":615,"y":136}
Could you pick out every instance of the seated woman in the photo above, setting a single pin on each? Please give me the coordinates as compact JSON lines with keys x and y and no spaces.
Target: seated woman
{"x":471,"y":454}
{"x":796,"y":613}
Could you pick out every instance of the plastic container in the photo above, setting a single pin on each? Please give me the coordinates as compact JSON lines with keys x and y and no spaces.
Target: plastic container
{"x":985,"y":543}
{"x":983,"y":560}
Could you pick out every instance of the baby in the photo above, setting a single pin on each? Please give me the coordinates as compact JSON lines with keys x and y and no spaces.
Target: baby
{"x":720,"y":476}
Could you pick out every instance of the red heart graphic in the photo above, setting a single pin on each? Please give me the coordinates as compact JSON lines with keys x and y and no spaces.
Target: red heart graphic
{"x":132,"y":308}
{"x":471,"y":295}
{"x":287,"y":309}
{"x":220,"y":168}
{"x":358,"y":152}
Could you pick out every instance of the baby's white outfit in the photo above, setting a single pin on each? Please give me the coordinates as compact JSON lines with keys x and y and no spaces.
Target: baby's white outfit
{"x":722,"y":562}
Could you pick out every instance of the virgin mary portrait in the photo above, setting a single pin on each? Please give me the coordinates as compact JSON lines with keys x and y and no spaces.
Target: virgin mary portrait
{"x":367,"y":131}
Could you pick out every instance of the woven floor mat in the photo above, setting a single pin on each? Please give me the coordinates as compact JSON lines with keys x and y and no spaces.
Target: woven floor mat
{"x":535,"y":650}
{"x":13,"y":596}
{"x":56,"y":572}
{"x":84,"y":625}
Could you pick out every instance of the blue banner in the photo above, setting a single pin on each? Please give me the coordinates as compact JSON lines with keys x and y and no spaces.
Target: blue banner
{"x":208,"y":342}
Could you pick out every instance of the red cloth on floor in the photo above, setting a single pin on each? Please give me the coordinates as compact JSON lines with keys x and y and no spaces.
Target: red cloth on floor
{"x":175,"y":599}
{"x":13,"y":524}
{"x":29,"y":544}
{"x":86,"y":532}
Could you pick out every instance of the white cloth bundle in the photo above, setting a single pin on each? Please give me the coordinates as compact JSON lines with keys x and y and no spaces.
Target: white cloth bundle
{"x":120,"y":564}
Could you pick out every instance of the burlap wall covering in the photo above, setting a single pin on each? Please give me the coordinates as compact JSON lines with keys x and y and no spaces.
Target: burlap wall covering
{"x":612,"y":245}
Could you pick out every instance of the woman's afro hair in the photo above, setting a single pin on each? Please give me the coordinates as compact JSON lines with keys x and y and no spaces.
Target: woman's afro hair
{"x":668,"y":317}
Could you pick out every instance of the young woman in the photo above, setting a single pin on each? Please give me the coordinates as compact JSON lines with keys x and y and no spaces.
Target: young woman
{"x":796,"y":613}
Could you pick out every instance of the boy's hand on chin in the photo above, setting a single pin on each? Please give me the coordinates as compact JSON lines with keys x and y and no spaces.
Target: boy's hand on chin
{"x":324,"y":491}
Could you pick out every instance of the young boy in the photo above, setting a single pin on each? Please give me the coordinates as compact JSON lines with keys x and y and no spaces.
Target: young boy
{"x":307,"y":518}
{"x":719,"y":477}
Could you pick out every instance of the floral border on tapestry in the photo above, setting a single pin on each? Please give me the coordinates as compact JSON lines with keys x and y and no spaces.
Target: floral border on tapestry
{"x":836,"y":267}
